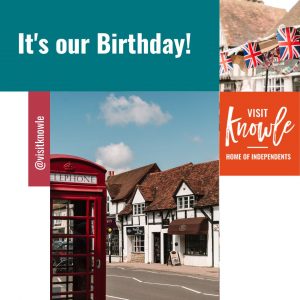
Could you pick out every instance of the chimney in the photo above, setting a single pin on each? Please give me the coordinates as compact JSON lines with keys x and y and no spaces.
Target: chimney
{"x":110,"y":173}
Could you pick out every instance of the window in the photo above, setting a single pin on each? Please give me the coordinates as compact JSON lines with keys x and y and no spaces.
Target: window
{"x":296,"y":84}
{"x":196,"y":244}
{"x":57,"y":222}
{"x":276,"y":84}
{"x":107,"y":205}
{"x":229,"y":87}
{"x":185,"y":202}
{"x":114,"y":242}
{"x":138,"y":243}
{"x":138,"y":209}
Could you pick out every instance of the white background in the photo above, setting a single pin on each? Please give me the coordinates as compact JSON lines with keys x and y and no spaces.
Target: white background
{"x":260,"y":238}
{"x":260,"y":224}
{"x":25,"y":212}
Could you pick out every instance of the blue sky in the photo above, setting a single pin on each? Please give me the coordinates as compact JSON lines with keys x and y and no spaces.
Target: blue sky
{"x":124,"y":130}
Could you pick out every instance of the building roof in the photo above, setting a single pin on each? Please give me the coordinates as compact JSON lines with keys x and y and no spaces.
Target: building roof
{"x":121,"y":186}
{"x":159,"y":189}
{"x":290,"y":19}
{"x":243,"y":20}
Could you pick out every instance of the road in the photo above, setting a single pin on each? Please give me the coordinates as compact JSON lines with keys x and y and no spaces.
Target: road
{"x":138,"y":284}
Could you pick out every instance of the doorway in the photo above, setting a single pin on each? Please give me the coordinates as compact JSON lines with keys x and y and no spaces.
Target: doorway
{"x":156,"y":245}
{"x":167,"y":246}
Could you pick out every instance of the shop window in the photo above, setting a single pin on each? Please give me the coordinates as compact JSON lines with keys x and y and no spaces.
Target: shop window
{"x":138,"y":243}
{"x":185,"y":202}
{"x":138,"y":209}
{"x":114,"y":242}
{"x":196,"y":244}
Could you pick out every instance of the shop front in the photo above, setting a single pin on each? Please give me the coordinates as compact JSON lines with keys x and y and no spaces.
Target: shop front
{"x":135,"y":238}
{"x":192,"y":241}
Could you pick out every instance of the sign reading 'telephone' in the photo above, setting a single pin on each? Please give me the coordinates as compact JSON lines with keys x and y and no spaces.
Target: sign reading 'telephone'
{"x":73,"y":178}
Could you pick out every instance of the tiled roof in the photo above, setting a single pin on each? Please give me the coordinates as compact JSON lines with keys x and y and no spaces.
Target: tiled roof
{"x":121,"y":186}
{"x":291,"y":18}
{"x":159,"y":189}
{"x":243,"y":20}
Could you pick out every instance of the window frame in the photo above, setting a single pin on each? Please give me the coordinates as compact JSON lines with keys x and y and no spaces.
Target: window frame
{"x":138,"y":244}
{"x":138,"y":209}
{"x":181,"y":202}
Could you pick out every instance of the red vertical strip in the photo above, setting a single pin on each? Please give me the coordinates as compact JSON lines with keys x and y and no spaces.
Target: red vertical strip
{"x":39,"y":139}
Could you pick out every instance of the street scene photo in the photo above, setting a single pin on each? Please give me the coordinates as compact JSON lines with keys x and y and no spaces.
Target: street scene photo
{"x":134,"y":195}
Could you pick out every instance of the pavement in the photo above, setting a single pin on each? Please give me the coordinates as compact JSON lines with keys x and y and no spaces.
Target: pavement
{"x":191,"y":270}
{"x":132,"y":281}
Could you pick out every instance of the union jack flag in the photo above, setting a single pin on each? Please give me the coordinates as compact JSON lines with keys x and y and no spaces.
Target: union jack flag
{"x":289,"y":43}
{"x":252,"y":55}
{"x":226,"y":64}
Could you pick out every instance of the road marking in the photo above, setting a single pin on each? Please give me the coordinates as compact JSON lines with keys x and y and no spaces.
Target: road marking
{"x":164,"y":284}
{"x":181,"y":275}
{"x":169,"y":274}
{"x":108,"y":296}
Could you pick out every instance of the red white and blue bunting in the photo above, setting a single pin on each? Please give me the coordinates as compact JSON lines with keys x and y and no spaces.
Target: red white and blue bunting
{"x":286,"y":48}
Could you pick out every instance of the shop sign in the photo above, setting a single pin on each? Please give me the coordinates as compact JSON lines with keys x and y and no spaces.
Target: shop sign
{"x":135,"y":230}
{"x":73,"y":178}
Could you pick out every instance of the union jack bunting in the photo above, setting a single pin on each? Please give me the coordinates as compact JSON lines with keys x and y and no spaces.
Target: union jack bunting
{"x":289,"y":43}
{"x":226,"y":64}
{"x":252,"y":55}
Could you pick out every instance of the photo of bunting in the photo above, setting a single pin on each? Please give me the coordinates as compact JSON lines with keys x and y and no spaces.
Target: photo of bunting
{"x":252,"y":55}
{"x":226,"y":63}
{"x":289,"y":43}
{"x":286,"y":47}
{"x":263,"y":41}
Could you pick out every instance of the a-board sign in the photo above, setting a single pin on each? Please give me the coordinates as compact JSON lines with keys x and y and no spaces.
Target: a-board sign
{"x":174,"y":258}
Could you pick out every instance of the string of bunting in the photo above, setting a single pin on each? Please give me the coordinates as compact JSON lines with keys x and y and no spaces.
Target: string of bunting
{"x":285,"y":45}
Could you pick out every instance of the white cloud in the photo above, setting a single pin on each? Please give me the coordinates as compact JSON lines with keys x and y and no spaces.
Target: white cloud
{"x":122,"y":111}
{"x":115,"y":157}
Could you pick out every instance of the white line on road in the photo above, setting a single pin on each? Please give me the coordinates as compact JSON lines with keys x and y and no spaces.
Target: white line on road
{"x":164,"y":284}
{"x":170,"y":274}
{"x":108,"y":296}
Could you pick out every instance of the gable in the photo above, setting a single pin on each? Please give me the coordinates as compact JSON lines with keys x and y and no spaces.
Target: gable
{"x":184,"y":190}
{"x":138,"y":197}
